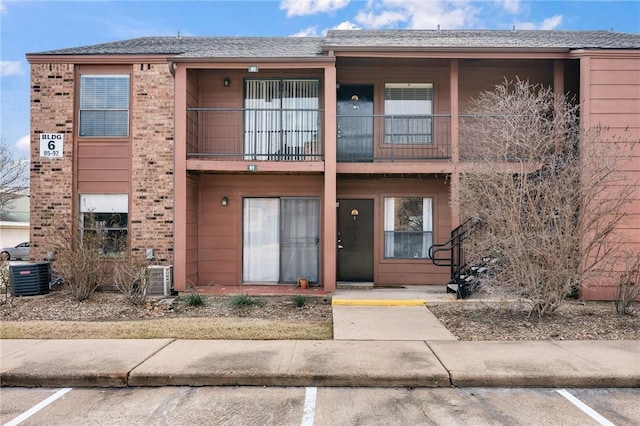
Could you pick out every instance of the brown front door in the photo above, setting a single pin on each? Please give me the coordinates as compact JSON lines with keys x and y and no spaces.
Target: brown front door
{"x":355,"y":240}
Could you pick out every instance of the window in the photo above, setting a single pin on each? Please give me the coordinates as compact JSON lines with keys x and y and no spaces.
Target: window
{"x":281,"y":119}
{"x":104,"y":221}
{"x":104,"y":105}
{"x":408,"y":109}
{"x":408,"y":227}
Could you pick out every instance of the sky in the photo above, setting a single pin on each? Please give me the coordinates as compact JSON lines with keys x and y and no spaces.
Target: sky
{"x":37,"y":26}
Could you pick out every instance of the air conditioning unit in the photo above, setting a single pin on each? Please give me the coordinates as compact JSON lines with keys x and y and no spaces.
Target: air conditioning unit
{"x":160,"y":280}
{"x":29,"y":279}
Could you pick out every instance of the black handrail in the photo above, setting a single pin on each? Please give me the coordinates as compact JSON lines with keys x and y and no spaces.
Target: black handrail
{"x":456,"y":260}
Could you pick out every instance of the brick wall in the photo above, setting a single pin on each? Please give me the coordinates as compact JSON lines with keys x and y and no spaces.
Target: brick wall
{"x":53,"y":200}
{"x":152,"y":165}
{"x":52,"y":94}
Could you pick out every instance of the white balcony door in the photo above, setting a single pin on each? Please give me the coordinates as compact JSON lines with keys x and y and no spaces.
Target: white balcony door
{"x":281,"y":118}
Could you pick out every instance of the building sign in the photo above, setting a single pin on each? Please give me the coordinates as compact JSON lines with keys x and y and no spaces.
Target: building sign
{"x":51,"y":145}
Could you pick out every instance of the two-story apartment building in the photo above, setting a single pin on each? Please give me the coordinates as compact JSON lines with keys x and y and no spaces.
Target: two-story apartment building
{"x":242,"y":160}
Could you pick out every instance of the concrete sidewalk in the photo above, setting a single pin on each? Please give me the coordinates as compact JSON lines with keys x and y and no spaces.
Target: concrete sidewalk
{"x":121,"y":363}
{"x":382,"y":338}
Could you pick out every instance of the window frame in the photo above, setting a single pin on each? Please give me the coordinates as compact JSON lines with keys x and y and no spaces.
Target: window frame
{"x":411,"y":119}
{"x":83,"y":109}
{"x":389,"y":235}
{"x":105,"y":204}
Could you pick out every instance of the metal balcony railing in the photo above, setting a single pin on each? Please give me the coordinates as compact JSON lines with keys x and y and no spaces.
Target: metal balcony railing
{"x":255,"y":134}
{"x":393,"y":138}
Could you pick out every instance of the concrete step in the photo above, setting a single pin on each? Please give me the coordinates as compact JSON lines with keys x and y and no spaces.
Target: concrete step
{"x":348,"y":285}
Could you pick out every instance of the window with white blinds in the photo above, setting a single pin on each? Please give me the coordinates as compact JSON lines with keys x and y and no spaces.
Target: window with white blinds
{"x":104,"y":105}
{"x":408,"y":109}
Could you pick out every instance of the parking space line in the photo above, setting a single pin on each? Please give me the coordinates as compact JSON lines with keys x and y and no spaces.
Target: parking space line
{"x":309,"y":406}
{"x":585,"y":408}
{"x":24,"y":416}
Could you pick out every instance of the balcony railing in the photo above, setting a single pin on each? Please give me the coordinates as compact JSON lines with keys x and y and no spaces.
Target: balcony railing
{"x":255,"y":134}
{"x":366,"y":138}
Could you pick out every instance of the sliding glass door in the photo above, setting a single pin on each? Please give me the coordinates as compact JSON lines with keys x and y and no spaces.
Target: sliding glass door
{"x":280,"y":239}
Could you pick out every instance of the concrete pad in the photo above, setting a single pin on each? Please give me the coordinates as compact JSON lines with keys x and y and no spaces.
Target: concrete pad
{"x":73,"y":362}
{"x":387,"y":323}
{"x":291,"y":363}
{"x":541,"y":363}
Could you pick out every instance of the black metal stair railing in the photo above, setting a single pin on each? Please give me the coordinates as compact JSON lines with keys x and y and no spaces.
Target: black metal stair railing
{"x":462,"y":280}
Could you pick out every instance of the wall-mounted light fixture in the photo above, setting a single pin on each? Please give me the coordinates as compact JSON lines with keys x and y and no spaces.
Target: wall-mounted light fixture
{"x":226,"y":82}
{"x":355,"y":213}
{"x":253,"y":68}
{"x":224,"y":201}
{"x":354,"y":100}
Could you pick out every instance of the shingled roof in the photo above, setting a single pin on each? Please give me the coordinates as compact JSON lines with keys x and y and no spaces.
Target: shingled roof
{"x":311,"y":47}
{"x":200,"y":47}
{"x":478,"y":39}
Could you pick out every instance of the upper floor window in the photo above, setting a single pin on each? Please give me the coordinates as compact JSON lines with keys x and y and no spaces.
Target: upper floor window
{"x":104,"y":105}
{"x":408,"y":110}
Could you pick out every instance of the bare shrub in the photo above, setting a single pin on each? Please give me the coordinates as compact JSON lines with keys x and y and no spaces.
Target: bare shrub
{"x":131,"y":279}
{"x":79,"y":258}
{"x":628,"y":285}
{"x":14,"y":176}
{"x":4,"y":281}
{"x":546,"y":193}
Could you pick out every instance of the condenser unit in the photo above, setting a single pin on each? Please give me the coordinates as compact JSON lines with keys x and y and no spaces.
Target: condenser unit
{"x":160,"y":280}
{"x":29,"y":279}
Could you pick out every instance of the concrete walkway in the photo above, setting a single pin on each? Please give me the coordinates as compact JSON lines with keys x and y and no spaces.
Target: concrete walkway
{"x":388,"y":314}
{"x":383,"y":338}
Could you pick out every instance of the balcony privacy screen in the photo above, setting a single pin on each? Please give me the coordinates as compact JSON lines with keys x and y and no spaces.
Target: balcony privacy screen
{"x":104,"y":105}
{"x":281,"y":118}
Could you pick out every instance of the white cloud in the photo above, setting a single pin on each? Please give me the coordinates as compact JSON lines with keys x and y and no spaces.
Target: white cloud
{"x":380,"y":20}
{"x":511,"y":6}
{"x":11,"y":68}
{"x":418,"y":14}
{"x":307,"y":32}
{"x":309,"y":7}
{"x":547,"y":24}
{"x":24,"y":143}
{"x":346,"y":25}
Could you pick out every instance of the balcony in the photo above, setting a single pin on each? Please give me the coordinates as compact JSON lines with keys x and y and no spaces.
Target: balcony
{"x":296,"y":135}
{"x":393,"y":138}
{"x":255,"y":134}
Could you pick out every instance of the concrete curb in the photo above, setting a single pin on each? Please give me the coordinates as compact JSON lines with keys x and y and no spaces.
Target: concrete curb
{"x":162,"y":362}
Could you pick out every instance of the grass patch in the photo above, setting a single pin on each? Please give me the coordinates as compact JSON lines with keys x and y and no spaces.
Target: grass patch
{"x":299,"y":300}
{"x":175,"y":328}
{"x":195,"y":299}
{"x":244,"y":300}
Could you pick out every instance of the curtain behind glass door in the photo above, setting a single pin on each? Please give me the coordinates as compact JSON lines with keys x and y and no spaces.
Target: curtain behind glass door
{"x":299,"y":240}
{"x":260,"y":245}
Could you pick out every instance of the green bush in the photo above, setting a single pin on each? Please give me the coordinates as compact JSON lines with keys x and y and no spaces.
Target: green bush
{"x":245,"y":300}
{"x":299,"y":300}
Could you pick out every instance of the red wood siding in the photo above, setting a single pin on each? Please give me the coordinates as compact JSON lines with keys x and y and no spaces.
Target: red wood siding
{"x":192,"y":230}
{"x":103,"y":167}
{"x":220,"y":227}
{"x":613,"y":100}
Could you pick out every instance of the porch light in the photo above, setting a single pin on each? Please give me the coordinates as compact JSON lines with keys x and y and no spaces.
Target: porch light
{"x":227,"y":82}
{"x":224,"y":201}
{"x":253,"y":68}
